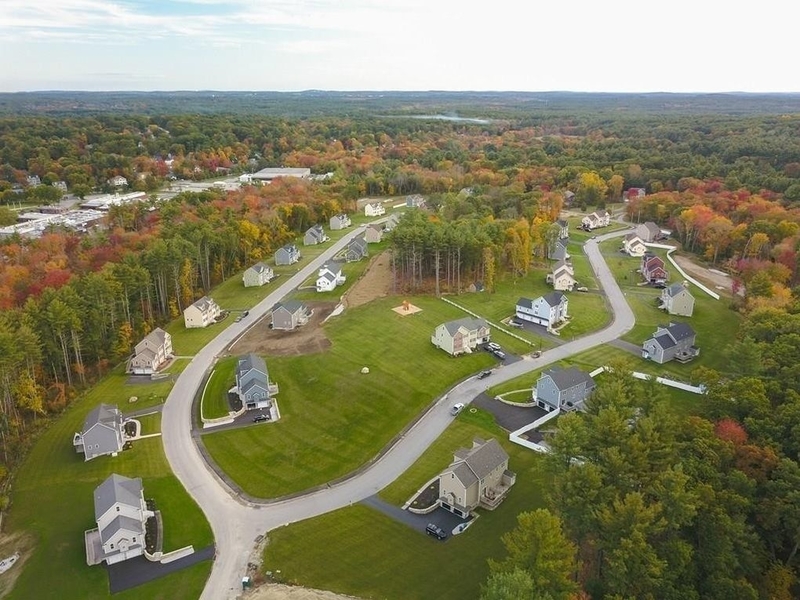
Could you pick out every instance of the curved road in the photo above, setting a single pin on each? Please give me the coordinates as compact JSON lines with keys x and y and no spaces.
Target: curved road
{"x":236,"y":524}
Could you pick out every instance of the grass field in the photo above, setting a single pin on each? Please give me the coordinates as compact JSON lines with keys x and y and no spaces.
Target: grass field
{"x":333,"y":418}
{"x":52,"y":499}
{"x":361,"y":552}
{"x":150,"y":423}
{"x":215,"y":396}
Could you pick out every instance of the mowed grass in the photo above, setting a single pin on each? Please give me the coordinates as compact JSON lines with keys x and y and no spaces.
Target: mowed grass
{"x":361,"y":552}
{"x":334,"y":418}
{"x":53,"y":500}
{"x":215,"y":395}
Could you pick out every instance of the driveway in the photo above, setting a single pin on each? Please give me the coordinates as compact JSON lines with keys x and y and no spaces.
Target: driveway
{"x":440,"y":517}
{"x":508,"y":417}
{"x":137,"y":571}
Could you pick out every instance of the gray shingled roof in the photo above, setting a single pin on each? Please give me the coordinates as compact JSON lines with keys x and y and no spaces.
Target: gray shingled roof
{"x":525,"y":303}
{"x":653,"y":228}
{"x":117,"y":488}
{"x":158,"y":336}
{"x":291,"y":305}
{"x":680,"y":331}
{"x":486,"y":458}
{"x":464,"y":474}
{"x":570,"y":377}
{"x":203,"y":304}
{"x":107,"y":414}
{"x":468,"y":322}
{"x":260,"y":267}
{"x":249,"y":362}
{"x":665,"y":341}
{"x":121,"y":522}
{"x":553,"y":298}
{"x":674,"y":289}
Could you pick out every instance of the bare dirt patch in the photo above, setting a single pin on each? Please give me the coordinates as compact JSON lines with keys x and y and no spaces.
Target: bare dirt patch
{"x":308,"y":339}
{"x":274,"y":591}
{"x":716,"y":281}
{"x":11,"y":544}
{"x":376,"y":282}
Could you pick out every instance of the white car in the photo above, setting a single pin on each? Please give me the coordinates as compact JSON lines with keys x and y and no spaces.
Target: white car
{"x":491,"y":346}
{"x":457,"y":408}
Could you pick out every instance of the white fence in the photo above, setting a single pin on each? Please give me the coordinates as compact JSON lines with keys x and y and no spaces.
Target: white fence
{"x":495,"y":325}
{"x":684,"y":274}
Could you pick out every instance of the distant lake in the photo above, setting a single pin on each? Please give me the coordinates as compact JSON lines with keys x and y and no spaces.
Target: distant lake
{"x":442,"y":118}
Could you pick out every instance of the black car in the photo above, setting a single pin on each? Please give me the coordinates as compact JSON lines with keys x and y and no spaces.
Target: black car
{"x":435,"y":531}
{"x":260,"y":418}
{"x":484,"y":374}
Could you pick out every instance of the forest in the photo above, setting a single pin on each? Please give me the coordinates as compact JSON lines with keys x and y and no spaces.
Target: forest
{"x":699,"y":507}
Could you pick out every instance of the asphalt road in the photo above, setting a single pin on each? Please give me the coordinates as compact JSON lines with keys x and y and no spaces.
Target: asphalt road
{"x":236,"y":524}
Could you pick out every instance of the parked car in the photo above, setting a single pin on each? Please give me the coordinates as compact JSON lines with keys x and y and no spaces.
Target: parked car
{"x":457,"y":408}
{"x":260,"y":418}
{"x":491,"y":346}
{"x":536,"y":354}
{"x":484,"y":374}
{"x":238,"y":318}
{"x":581,"y":288}
{"x":435,"y":531}
{"x":245,"y":313}
{"x":516,"y":324}
{"x":499,"y":354}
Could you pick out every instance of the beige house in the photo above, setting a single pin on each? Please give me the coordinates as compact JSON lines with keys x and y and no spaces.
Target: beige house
{"x":649,"y":231}
{"x":257,"y":275}
{"x":202,"y":313}
{"x":562,"y":277}
{"x":633,"y":245}
{"x":478,"y":476}
{"x":677,"y":300}
{"x":152,"y":352}
{"x":461,"y":336}
{"x":373,"y":233}
{"x":375,"y":209}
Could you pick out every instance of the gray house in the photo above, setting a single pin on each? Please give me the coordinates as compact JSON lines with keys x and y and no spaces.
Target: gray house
{"x":314,"y":235}
{"x":257,"y":275}
{"x":252,"y":382}
{"x":673,"y":342}
{"x":564,"y":389}
{"x":558,"y":250}
{"x":649,"y":231}
{"x":341,"y":221}
{"x":288,"y":255}
{"x":392,"y":221}
{"x":677,"y":300}
{"x":548,"y":310}
{"x":121,"y":513}
{"x":356,"y":249}
{"x":290,"y":315}
{"x":101,"y":433}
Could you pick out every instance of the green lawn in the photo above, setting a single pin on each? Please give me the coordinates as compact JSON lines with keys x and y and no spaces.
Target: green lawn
{"x":361,"y":552}
{"x":215,"y":395}
{"x":150,"y":424}
{"x":52,"y":500}
{"x":333,"y":418}
{"x":352,"y":272}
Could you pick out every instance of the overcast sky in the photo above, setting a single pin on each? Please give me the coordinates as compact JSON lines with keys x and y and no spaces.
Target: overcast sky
{"x":289,"y":45}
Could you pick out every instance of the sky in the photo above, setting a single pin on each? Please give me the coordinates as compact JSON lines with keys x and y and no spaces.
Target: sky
{"x":294,"y":45}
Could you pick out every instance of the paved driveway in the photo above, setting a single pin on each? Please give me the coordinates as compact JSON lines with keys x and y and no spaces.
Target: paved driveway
{"x":440,"y":517}
{"x":508,"y":417}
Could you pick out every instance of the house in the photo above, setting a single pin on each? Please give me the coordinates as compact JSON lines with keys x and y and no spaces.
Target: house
{"x":252,"y":382}
{"x":633,"y":194}
{"x":563,"y":225}
{"x":649,"y":232}
{"x":478,"y":476}
{"x":562,"y":277}
{"x":569,"y":197}
{"x":117,"y":181}
{"x":653,"y":269}
{"x":356,"y":249}
{"x":329,"y":276}
{"x":547,"y":310}
{"x":675,"y":341}
{"x":563,"y":389}
{"x":288,"y":255}
{"x":415,"y":201}
{"x":101,"y":434}
{"x":152,"y":352}
{"x":558,"y":250}
{"x":391,"y":222}
{"x":633,"y":245}
{"x":258,"y":275}
{"x":121,"y":512}
{"x":314,"y":235}
{"x":60,"y":186}
{"x":461,"y":336}
{"x":202,"y":313}
{"x":289,"y":315}
{"x":476,"y":286}
{"x":676,"y":299}
{"x":599,"y":218}
{"x":374,"y":210}
{"x":339,"y":222}
{"x":33,"y":180}
{"x":373,"y":233}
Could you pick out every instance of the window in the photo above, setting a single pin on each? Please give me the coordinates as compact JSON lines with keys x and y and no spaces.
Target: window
{"x":117,"y":508}
{"x":112,"y":546}
{"x":134,"y":540}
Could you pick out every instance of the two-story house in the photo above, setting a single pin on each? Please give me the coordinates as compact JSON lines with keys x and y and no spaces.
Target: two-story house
{"x":676,"y":299}
{"x":341,"y":221}
{"x":563,"y":389}
{"x":478,"y":476}
{"x":287,"y":255}
{"x":461,"y":336}
{"x":121,"y":512}
{"x":676,"y":341}
{"x":202,"y":313}
{"x":599,"y":218}
{"x":329,"y":276}
{"x":649,"y":232}
{"x":374,"y":209}
{"x":373,"y":233}
{"x":391,"y":222}
{"x":258,"y":275}
{"x":289,"y":315}
{"x":653,"y":269}
{"x":562,"y":277}
{"x":356,"y":249}
{"x":102,"y":433}
{"x":633,"y":245}
{"x":314,"y":235}
{"x":152,"y":352}
{"x":548,"y":310}
{"x":252,"y":382}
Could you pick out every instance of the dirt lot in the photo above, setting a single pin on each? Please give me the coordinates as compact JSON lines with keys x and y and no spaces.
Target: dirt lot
{"x":10,"y":544}
{"x":274,"y":591}
{"x":375,"y":283}
{"x":715,"y":281}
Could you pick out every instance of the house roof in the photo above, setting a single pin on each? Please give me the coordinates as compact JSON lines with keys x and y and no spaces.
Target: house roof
{"x":478,"y":462}
{"x":651,"y":261}
{"x":652,"y":228}
{"x":525,"y":302}
{"x":375,"y":226}
{"x":675,"y":289}
{"x":467,"y":322}
{"x":341,"y":217}
{"x":292,"y":306}
{"x":250,"y":362}
{"x":633,"y":238}
{"x":146,"y":353}
{"x":554,"y":298}
{"x":332,"y":267}
{"x":117,"y":489}
{"x":664,"y":340}
{"x":562,"y":222}
{"x":260,"y":267}
{"x":121,"y":522}
{"x":680,"y":331}
{"x":289,"y":248}
{"x":567,"y":378}
{"x":205,"y":303}
{"x":107,"y":414}
{"x":562,"y":267}
{"x":358,"y":243}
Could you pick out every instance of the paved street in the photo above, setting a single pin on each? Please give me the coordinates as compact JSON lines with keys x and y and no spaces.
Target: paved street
{"x":236,"y":524}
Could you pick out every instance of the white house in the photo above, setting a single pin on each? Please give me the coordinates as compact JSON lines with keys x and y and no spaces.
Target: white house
{"x":374,"y":210}
{"x":258,"y":275}
{"x":461,"y":336}
{"x":117,"y":181}
{"x":634,"y":245}
{"x":202,"y":313}
{"x":562,"y":277}
{"x":548,"y":310}
{"x":599,"y":218}
{"x":329,"y":276}
{"x":121,"y":513}
{"x":152,"y":352}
